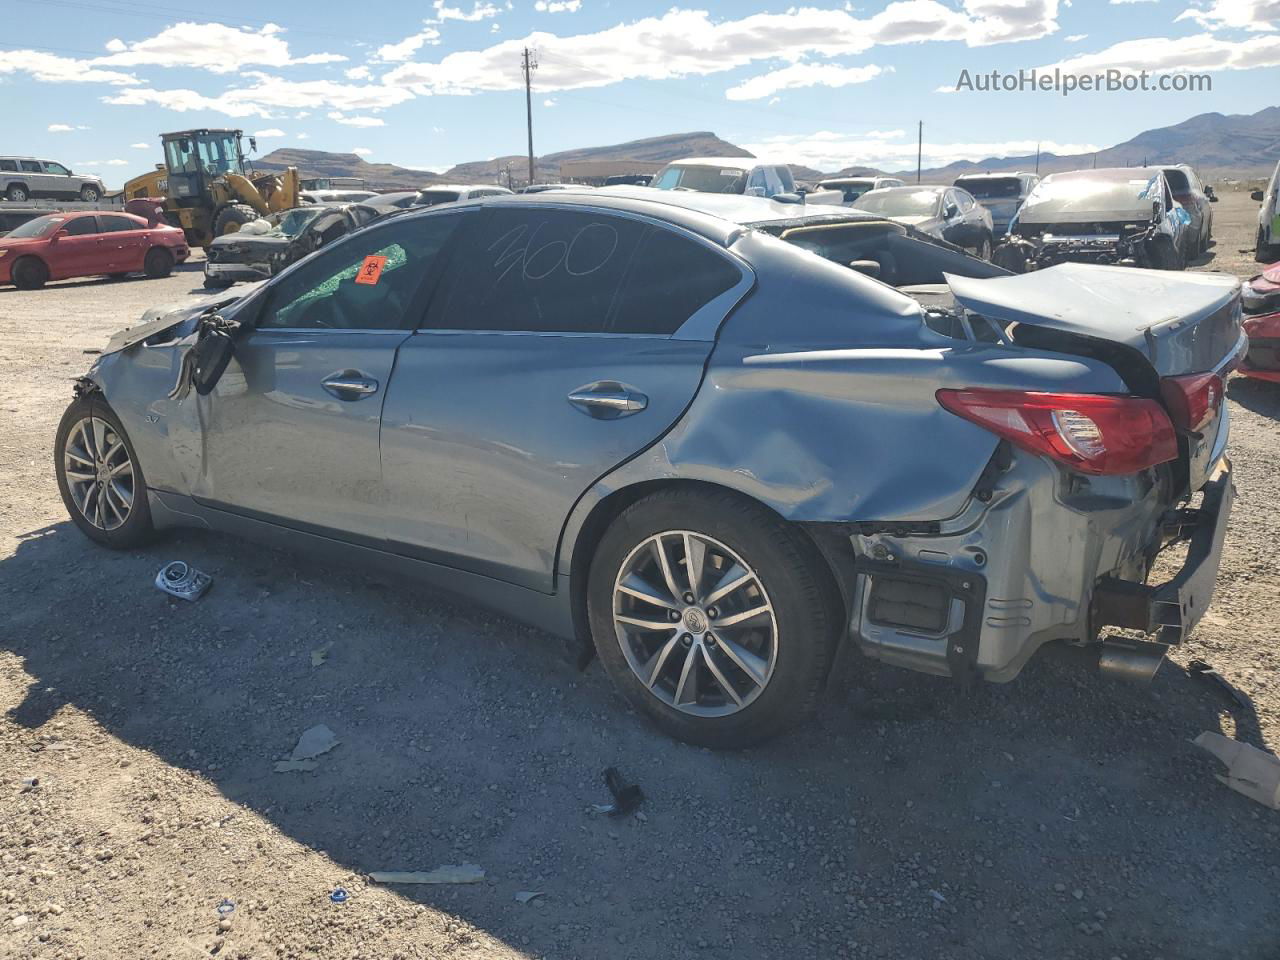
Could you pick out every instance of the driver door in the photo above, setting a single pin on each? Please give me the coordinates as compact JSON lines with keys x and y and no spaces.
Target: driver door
{"x":291,"y":430}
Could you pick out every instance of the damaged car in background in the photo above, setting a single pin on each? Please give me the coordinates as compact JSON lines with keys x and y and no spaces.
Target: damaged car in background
{"x":1003,"y":194}
{"x":1262,"y":325}
{"x":611,"y":414}
{"x":948,"y":213}
{"x":1120,"y":215}
{"x":262,"y":248}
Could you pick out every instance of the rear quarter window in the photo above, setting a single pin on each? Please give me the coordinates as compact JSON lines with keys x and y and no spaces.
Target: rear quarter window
{"x":9,"y":165}
{"x":672,"y":278}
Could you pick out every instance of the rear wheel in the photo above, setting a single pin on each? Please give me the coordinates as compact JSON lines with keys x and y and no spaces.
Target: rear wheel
{"x":18,"y":193}
{"x":99,"y":476}
{"x":158,"y":263}
{"x":232,"y":217}
{"x":89,"y":194}
{"x":30,"y":273}
{"x":712,"y":616}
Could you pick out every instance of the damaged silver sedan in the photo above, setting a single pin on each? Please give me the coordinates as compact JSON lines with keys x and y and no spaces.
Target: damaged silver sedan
{"x":715,"y":440}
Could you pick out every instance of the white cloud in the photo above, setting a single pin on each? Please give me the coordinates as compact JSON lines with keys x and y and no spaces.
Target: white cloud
{"x":802,"y":75}
{"x":269,"y":132}
{"x":480,"y":10}
{"x":265,"y":98}
{"x":1119,"y":3}
{"x":337,"y":116}
{"x":1076,"y":37}
{"x":140,"y":146}
{"x":210,"y":46}
{"x":361,"y":151}
{"x":827,"y":150}
{"x":102,"y":163}
{"x":47,"y":68}
{"x":683,"y":43}
{"x":304,"y":136}
{"x":558,"y":6}
{"x":1201,"y":53}
{"x":406,"y":48}
{"x":549,"y":102}
{"x":357,"y":73}
{"x":59,"y":128}
{"x":1253,"y":15}
{"x":116,"y":46}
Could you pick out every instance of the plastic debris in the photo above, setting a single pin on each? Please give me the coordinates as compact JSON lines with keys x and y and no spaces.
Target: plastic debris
{"x":182,"y":581}
{"x":339,"y":895}
{"x":1200,"y":670}
{"x":321,"y":654}
{"x":450,"y":873}
{"x":1250,"y":771}
{"x":626,"y":796}
{"x":314,"y":742}
{"x":225,"y":907}
{"x":527,"y":896}
{"x":937,"y":895}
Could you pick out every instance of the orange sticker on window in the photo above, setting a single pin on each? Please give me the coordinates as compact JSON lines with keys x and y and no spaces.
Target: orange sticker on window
{"x":371,"y":269}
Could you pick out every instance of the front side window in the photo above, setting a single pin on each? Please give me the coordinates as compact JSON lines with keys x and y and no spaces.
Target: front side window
{"x":366,"y":283}
{"x":180,"y":156}
{"x":56,"y":168}
{"x":80,"y":227}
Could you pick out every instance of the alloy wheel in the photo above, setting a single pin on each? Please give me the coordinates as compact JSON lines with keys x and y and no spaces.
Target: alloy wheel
{"x":99,"y":473}
{"x":695,"y":623}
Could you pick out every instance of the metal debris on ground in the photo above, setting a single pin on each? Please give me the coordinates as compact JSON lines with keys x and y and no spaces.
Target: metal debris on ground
{"x":527,"y":896}
{"x":1200,"y":670}
{"x":182,"y":581}
{"x":321,"y":654}
{"x":1250,"y":771}
{"x":450,"y":873}
{"x":314,"y":741}
{"x":225,"y":907}
{"x":626,"y":796}
{"x":339,"y":895}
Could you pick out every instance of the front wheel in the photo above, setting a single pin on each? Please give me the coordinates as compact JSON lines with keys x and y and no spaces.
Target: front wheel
{"x":99,"y":476}
{"x":713,"y":616}
{"x":30,"y":273}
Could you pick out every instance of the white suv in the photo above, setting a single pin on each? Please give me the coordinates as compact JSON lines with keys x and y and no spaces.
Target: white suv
{"x":744,"y":175}
{"x":25,"y":178}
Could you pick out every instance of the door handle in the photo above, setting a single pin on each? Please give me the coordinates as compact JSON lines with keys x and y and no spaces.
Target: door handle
{"x":350,"y":385}
{"x":608,"y":400}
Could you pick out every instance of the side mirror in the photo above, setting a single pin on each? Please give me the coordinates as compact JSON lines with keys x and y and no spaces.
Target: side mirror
{"x":253,"y":144}
{"x":1257,"y":196}
{"x":788,"y":198}
{"x":209,"y":358}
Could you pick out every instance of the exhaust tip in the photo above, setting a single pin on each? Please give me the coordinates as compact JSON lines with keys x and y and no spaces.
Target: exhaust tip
{"x":1133,"y":660}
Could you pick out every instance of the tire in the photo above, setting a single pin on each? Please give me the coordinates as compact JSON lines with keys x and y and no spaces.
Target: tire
{"x":158,"y":263}
{"x":216,"y":283}
{"x":983,"y":251}
{"x":90,"y":194}
{"x":232,"y":217}
{"x":71,"y":450}
{"x":30,"y":273}
{"x":790,"y":584}
{"x":1163,"y":255}
{"x":17,"y":193}
{"x":1265,"y":252}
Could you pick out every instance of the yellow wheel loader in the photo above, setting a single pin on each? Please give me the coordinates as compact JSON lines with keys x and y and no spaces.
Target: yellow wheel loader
{"x":207,"y":189}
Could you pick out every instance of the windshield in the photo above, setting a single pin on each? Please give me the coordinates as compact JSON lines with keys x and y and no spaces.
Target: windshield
{"x":429,"y":198}
{"x":35,"y":228}
{"x":290,"y":223}
{"x":213,"y":154}
{"x":1089,"y":195}
{"x":899,"y":202}
{"x":992,"y":188}
{"x":852,"y":189}
{"x":701,"y":179}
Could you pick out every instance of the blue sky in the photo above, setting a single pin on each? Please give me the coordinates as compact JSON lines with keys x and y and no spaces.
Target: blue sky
{"x":426,"y":84}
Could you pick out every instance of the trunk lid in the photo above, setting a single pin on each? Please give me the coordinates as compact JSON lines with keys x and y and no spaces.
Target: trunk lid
{"x":1180,"y":324}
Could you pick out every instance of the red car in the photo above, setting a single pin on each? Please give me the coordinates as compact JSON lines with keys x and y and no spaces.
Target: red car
{"x":63,"y":245}
{"x":1261,"y":300}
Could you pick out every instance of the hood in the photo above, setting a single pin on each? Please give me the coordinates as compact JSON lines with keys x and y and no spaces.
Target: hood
{"x":267,"y":241}
{"x":915,"y":221}
{"x":167,"y":317}
{"x":1181,"y":322}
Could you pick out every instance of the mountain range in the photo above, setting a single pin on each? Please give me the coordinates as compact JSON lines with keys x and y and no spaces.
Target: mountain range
{"x":1218,"y":145}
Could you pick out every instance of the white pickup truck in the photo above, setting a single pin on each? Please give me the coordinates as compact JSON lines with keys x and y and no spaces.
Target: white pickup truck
{"x":742,"y":175}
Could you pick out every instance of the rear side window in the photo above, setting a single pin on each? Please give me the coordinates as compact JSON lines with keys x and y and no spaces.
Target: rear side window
{"x":30,"y":166}
{"x":8,"y":165}
{"x":112,"y":223}
{"x":672,"y":278}
{"x":80,"y":226}
{"x":547,"y":271}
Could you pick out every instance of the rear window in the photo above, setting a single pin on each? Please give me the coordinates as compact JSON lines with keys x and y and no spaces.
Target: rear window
{"x":702,"y":179}
{"x":992,"y":188}
{"x":38,"y":227}
{"x":429,"y":198}
{"x":899,"y":202}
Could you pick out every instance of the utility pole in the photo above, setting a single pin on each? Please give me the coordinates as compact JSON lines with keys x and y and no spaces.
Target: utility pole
{"x":919,"y":149}
{"x":1037,"y":158}
{"x":529,"y":64}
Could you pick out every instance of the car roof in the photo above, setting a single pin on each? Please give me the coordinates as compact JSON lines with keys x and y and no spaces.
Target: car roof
{"x":455,"y":186}
{"x":915,"y":188}
{"x":744,"y":162}
{"x":1109,"y":173}
{"x":719,"y":217}
{"x":994,"y":175}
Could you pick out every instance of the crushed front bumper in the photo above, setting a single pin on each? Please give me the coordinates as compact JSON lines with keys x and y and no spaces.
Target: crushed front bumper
{"x":238,"y":271}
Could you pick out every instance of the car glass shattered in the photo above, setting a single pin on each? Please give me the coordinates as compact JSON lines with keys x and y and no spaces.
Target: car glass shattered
{"x":991,"y":188}
{"x":290,"y":223}
{"x":34,"y":228}
{"x":899,"y":203}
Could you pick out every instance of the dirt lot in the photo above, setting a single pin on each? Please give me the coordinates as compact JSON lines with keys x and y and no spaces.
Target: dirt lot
{"x":1061,"y":816}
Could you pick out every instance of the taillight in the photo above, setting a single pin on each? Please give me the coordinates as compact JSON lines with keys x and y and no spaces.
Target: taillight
{"x":1088,"y":432}
{"x":1192,"y":400}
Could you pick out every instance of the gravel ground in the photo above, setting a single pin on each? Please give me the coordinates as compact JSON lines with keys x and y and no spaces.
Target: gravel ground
{"x":1061,"y":816}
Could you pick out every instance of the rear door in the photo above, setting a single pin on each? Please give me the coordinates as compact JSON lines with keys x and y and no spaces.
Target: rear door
{"x":124,"y":242}
{"x":291,"y":430}
{"x":32,"y":174}
{"x":555,"y":349}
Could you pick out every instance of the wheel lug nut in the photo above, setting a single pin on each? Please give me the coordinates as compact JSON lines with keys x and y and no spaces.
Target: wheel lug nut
{"x":686,"y":640}
{"x":713,"y":612}
{"x":673,"y":615}
{"x":688,"y":598}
